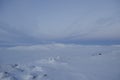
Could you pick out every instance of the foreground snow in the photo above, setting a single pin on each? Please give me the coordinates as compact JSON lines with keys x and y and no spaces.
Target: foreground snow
{"x":60,"y":62}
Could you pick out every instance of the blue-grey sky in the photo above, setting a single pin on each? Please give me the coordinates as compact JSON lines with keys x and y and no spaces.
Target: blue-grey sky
{"x":26,"y":22}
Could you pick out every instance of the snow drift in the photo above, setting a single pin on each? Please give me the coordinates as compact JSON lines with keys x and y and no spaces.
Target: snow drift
{"x":60,"y":62}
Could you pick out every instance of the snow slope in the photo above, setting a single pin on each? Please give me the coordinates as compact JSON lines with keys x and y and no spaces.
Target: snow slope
{"x":60,"y":62}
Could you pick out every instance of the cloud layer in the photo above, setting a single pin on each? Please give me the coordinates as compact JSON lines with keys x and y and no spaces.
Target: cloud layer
{"x":28,"y":22}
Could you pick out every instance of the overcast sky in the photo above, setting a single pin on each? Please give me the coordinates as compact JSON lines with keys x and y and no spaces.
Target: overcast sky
{"x":26,"y":22}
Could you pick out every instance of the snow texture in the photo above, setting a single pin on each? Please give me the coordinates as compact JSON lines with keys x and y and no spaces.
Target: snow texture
{"x":60,"y":62}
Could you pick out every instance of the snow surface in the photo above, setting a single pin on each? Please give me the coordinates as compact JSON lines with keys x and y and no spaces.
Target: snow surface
{"x":60,"y":62}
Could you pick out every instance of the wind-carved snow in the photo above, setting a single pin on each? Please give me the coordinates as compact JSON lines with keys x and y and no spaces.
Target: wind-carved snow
{"x":60,"y":62}
{"x":22,"y":73}
{"x":38,"y":70}
{"x":50,"y":60}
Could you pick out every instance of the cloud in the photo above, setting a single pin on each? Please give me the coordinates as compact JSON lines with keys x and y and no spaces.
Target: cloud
{"x":59,"y":48}
{"x":28,"y":22}
{"x":42,"y":47}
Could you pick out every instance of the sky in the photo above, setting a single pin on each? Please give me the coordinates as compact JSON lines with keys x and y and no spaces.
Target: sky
{"x":29,"y":22}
